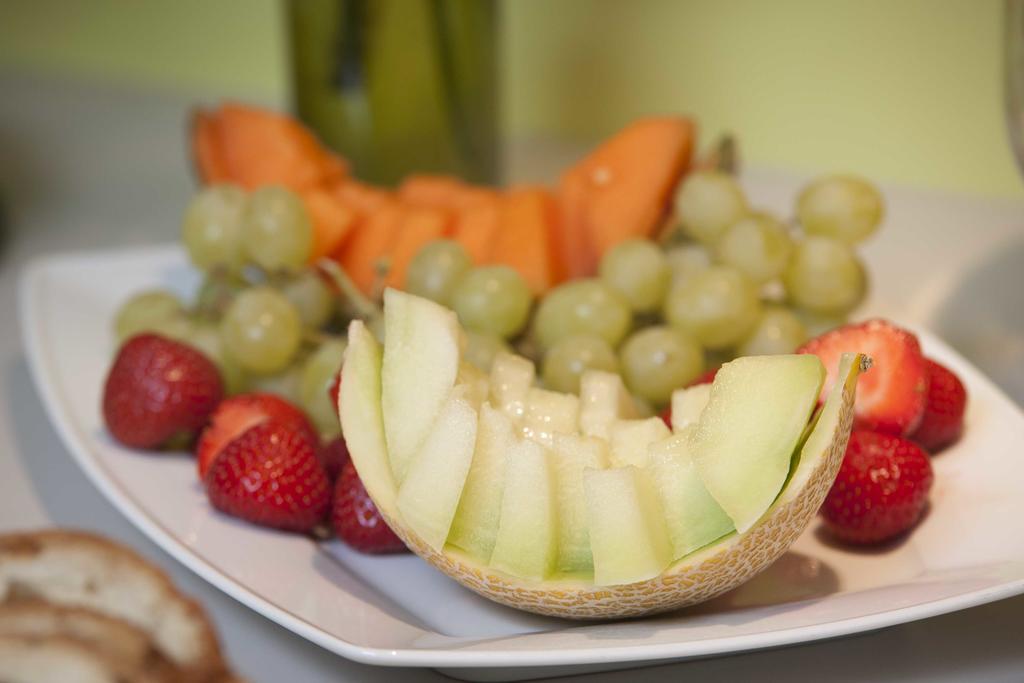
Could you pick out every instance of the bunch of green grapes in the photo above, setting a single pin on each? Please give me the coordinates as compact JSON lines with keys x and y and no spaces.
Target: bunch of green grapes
{"x":740,"y":282}
{"x":268,"y":320}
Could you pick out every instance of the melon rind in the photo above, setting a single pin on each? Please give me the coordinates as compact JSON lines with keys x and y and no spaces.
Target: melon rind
{"x":695,"y":578}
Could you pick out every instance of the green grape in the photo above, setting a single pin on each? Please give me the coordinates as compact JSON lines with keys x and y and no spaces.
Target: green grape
{"x":276,"y":231}
{"x":148,"y":311}
{"x":284,"y":383}
{"x":708,"y":203}
{"x":658,"y":360}
{"x":758,"y":246}
{"x":261,"y":330}
{"x":482,"y":348}
{"x":212,"y":228}
{"x":819,"y":323}
{"x":206,"y":338}
{"x":318,"y":372}
{"x":778,"y":331}
{"x":566,"y":361}
{"x":718,"y":306}
{"x":311,"y":296}
{"x":587,"y":306}
{"x":825,"y":276}
{"x":492,"y":300}
{"x":687,"y":260}
{"x":639,"y":270}
{"x":845,"y":208}
{"x":436,"y":269}
{"x":216,"y":293}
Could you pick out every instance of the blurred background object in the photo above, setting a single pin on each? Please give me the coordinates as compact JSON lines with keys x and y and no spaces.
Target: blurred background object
{"x":908,"y":92}
{"x":399,"y":86}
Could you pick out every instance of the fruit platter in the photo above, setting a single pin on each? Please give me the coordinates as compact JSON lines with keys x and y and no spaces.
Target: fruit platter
{"x":473,"y":428}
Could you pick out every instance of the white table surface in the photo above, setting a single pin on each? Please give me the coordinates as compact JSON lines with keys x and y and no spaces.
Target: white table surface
{"x":89,"y":167}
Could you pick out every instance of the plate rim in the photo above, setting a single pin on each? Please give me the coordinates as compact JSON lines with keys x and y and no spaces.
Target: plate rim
{"x":46,"y":383}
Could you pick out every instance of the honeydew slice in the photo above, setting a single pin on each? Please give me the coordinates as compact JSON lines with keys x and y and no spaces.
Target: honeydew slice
{"x":476,"y":521}
{"x":511,"y":379}
{"x":421,"y":361}
{"x":628,"y":536}
{"x":549,"y":413}
{"x":688,"y":404}
{"x":692,"y":515}
{"x":630,"y":439}
{"x":526,"y":543}
{"x":744,"y":443}
{"x":572,"y":454}
{"x":603,"y":400}
{"x":429,"y":496}
{"x":472,"y":384}
{"x":359,"y":406}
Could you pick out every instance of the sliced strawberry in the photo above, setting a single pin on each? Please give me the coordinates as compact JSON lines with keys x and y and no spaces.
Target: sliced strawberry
{"x":891,"y":396}
{"x":943,"y":420}
{"x":270,"y":476}
{"x":356,"y":519}
{"x":157,"y":389}
{"x":881,"y":490}
{"x":237,"y":414}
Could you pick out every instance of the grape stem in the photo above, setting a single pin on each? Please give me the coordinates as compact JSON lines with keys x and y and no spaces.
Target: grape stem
{"x":364,"y":307}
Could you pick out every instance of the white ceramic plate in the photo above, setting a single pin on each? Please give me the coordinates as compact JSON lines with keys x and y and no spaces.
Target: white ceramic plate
{"x":398,"y":611}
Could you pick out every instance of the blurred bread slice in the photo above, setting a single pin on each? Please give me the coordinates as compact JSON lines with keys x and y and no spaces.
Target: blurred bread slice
{"x":56,"y":660}
{"x":85,"y":571}
{"x":116,"y":644}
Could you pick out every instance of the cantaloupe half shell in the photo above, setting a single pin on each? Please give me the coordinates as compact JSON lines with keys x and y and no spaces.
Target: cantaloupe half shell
{"x":695,"y":578}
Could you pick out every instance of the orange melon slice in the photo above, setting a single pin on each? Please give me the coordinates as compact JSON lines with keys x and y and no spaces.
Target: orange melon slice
{"x":525,"y":237}
{"x":623,"y":188}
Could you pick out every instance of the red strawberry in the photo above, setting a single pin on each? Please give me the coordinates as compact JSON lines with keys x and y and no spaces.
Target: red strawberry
{"x":270,"y":476}
{"x":357,"y":520}
{"x":666,"y":416}
{"x":333,"y":457}
{"x":156,"y":389}
{"x":943,"y":419}
{"x":881,"y":490}
{"x":891,"y":396}
{"x":237,"y":414}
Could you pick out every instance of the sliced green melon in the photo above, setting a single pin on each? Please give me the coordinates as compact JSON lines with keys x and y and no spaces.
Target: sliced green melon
{"x":628,"y":536}
{"x":629,"y":440}
{"x":526,"y":543}
{"x":572,"y":454}
{"x":476,"y":521}
{"x":688,"y":404}
{"x":548,"y":413}
{"x":429,"y":495}
{"x":473,"y":384}
{"x":511,"y":379}
{"x":603,"y":400}
{"x":359,"y":404}
{"x":745,"y":439}
{"x":421,"y":361}
{"x":693,"y":517}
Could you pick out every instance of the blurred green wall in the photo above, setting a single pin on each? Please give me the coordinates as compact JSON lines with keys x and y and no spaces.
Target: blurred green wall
{"x":905,"y":90}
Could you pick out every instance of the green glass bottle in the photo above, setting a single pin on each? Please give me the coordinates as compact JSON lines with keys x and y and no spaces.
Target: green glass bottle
{"x":399,"y":86}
